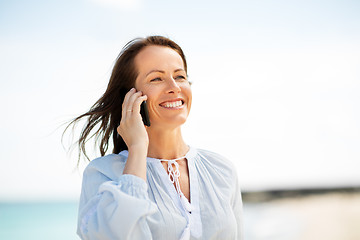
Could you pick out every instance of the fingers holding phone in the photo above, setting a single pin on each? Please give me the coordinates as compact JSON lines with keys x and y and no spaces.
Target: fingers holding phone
{"x":131,"y":127}
{"x":130,"y":103}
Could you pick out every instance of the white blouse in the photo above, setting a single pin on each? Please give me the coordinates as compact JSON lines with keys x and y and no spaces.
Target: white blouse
{"x":117,"y":206}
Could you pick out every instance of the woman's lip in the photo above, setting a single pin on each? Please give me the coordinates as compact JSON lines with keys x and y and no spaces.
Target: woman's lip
{"x":174,"y":103}
{"x":172,"y":100}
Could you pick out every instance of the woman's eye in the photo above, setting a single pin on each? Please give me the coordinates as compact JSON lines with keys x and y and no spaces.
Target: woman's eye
{"x":155,"y":79}
{"x":180,"y":77}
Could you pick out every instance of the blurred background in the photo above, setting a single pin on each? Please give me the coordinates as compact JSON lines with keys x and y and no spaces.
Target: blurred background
{"x":275,"y":89}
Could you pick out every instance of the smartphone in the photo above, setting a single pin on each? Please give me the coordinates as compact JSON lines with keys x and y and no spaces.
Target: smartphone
{"x":145,"y":113}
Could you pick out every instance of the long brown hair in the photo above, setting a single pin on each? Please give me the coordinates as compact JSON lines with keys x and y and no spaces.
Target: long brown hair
{"x":104,"y":116}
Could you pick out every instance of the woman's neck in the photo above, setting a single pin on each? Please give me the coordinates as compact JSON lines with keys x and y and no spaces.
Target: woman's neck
{"x":166,"y":144}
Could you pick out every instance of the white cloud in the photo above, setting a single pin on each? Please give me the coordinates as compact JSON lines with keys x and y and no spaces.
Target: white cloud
{"x":281,"y":115}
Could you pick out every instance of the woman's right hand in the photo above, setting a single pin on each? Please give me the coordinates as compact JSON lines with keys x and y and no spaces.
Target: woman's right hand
{"x":132,"y":128}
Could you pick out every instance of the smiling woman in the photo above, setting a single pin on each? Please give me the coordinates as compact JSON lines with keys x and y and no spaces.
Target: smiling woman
{"x":153,"y":186}
{"x":163,"y":79}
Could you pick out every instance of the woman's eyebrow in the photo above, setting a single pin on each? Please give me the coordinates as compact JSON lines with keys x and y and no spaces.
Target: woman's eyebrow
{"x":160,"y":71}
{"x":179,"y":69}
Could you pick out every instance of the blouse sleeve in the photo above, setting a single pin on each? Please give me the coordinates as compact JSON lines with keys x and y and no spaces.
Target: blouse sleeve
{"x":114,"y":209}
{"x":237,"y":206}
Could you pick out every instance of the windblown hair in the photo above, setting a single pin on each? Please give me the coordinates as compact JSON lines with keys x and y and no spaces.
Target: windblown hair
{"x":104,"y":116}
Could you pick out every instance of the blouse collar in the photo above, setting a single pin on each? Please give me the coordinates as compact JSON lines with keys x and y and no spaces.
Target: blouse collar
{"x":189,"y":155}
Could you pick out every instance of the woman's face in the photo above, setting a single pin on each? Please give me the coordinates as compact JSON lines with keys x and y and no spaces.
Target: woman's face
{"x":162,"y":77}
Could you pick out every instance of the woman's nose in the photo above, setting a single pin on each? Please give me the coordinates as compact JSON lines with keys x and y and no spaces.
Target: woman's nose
{"x":172,"y":86}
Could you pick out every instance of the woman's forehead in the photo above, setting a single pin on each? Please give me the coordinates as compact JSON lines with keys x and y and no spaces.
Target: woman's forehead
{"x":158,"y":58}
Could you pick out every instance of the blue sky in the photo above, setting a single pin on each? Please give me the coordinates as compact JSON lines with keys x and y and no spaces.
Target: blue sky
{"x":275,"y":88}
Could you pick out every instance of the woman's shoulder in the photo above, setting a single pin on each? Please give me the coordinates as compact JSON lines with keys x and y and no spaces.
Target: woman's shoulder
{"x":214,"y":157}
{"x":110,"y":165}
{"x":216,"y":161}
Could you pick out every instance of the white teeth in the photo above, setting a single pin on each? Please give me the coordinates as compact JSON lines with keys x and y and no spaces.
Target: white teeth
{"x":173,"y":104}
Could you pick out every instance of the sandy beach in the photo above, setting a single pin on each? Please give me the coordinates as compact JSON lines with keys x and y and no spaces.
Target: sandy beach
{"x":330,"y":216}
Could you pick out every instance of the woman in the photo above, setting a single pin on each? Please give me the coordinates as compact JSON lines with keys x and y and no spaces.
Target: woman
{"x":153,"y":186}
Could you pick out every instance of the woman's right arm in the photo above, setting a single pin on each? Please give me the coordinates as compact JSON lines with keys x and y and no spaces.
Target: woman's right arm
{"x":133,"y":131}
{"x":117,"y":210}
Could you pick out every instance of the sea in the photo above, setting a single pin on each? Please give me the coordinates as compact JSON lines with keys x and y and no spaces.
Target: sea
{"x":58,"y":220}
{"x":38,"y":220}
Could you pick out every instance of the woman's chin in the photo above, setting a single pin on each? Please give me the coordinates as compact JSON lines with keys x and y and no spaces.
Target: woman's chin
{"x":171,"y":122}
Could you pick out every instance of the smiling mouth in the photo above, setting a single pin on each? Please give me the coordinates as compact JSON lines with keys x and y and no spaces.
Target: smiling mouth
{"x":173,"y":104}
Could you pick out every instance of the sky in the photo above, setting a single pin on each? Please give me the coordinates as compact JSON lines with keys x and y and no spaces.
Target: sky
{"x":275,"y":86}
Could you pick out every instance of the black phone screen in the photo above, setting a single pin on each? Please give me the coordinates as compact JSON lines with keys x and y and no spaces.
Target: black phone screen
{"x":145,"y":113}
